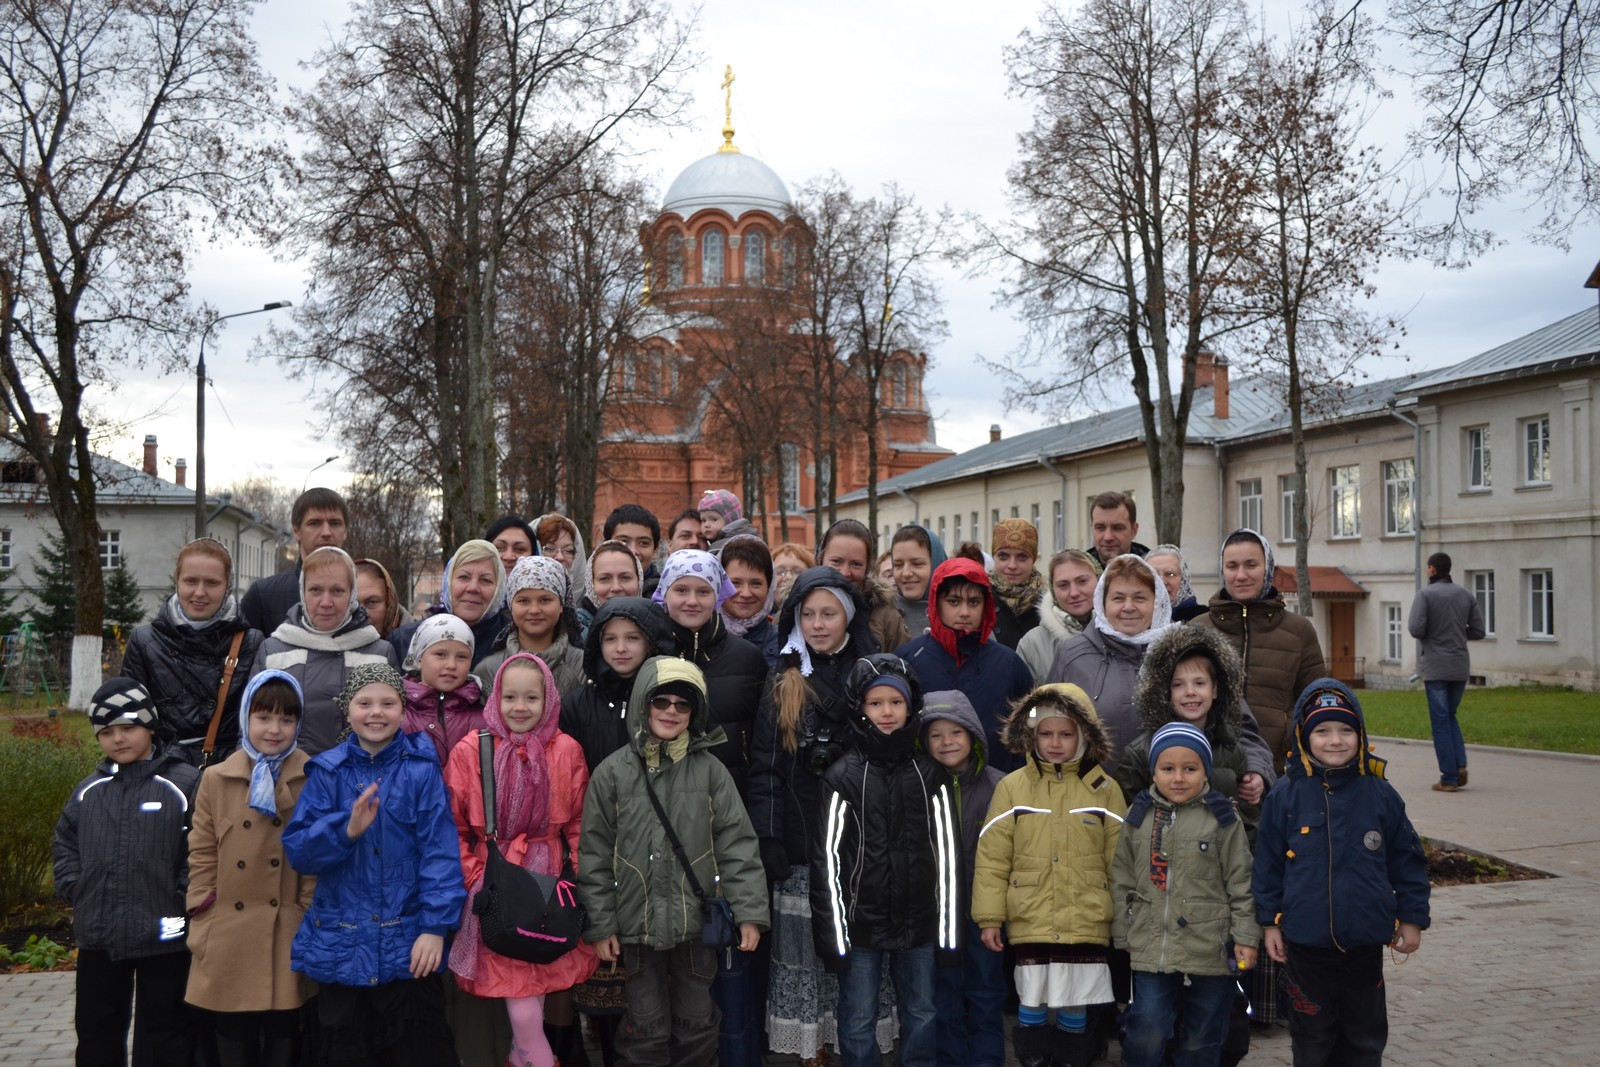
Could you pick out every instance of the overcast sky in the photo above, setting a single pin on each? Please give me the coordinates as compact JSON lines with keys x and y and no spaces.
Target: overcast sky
{"x":889,"y":91}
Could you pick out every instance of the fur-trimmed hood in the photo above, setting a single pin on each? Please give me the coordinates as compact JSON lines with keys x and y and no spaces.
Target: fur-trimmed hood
{"x":1152,"y":699}
{"x":1057,"y":623}
{"x":1058,"y":698}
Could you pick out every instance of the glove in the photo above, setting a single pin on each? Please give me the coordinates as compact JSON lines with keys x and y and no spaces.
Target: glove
{"x":775,"y":858}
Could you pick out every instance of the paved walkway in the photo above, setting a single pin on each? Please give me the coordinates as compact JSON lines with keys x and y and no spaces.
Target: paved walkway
{"x":1509,"y":973}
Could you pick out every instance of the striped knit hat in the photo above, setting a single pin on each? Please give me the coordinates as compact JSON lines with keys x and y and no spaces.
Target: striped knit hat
{"x":1180,"y":735}
{"x":122,"y":702}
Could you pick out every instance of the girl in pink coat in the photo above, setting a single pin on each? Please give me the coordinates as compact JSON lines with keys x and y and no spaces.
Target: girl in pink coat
{"x":540,"y":778}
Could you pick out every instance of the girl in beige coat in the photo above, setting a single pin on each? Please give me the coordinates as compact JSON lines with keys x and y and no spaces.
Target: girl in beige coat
{"x":243,"y":895}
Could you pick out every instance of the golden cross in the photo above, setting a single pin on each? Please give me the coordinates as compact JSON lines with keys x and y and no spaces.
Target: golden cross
{"x":727,"y":111}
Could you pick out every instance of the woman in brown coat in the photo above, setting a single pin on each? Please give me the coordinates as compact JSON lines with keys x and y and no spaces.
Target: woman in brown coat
{"x":243,"y":895}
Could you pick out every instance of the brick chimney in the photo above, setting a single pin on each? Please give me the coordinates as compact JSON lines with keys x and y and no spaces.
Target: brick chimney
{"x":1205,"y":373}
{"x":150,"y":454}
{"x":180,"y":470}
{"x":1219,"y":389}
{"x":994,"y":431}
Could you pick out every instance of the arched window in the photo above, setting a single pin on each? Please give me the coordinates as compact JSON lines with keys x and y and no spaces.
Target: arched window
{"x":900,"y":385}
{"x":711,"y":258}
{"x":755,"y":258}
{"x":675,"y":261}
{"x":789,"y":263}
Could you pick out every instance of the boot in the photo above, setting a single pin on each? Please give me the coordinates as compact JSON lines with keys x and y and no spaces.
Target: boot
{"x":1031,"y":1044}
{"x":233,"y":1053}
{"x":1071,"y":1048}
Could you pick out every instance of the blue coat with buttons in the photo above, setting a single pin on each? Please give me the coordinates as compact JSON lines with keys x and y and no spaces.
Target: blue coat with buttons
{"x":376,"y":893}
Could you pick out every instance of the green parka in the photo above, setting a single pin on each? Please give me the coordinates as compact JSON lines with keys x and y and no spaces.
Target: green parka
{"x":629,"y":879}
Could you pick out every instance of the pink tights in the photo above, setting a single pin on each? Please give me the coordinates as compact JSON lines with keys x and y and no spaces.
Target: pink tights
{"x":528,"y":1045}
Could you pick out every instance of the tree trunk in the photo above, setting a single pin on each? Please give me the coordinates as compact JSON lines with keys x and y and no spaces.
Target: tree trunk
{"x":1302,"y":520}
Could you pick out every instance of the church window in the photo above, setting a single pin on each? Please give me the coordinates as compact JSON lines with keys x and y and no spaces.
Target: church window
{"x":788,"y":256}
{"x":755,"y":259}
{"x":675,"y":261}
{"x":711,"y":258}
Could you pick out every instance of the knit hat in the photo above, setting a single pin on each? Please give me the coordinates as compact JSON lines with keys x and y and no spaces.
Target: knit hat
{"x":436,"y":628}
{"x":723,"y":502}
{"x":1015,"y":533}
{"x":122,"y":702}
{"x":363,"y":675}
{"x":1180,"y":735}
{"x":1328,"y":705}
{"x":890,"y":681}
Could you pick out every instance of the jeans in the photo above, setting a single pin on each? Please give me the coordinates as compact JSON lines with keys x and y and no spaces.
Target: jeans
{"x":970,"y":1000}
{"x":671,"y":1020}
{"x":1443,"y":700}
{"x":742,"y":1005}
{"x":1205,"y":1001}
{"x":105,"y":1000}
{"x":912,"y":972}
{"x":1338,"y":1013}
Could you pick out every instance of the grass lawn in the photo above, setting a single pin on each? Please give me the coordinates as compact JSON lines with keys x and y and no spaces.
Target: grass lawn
{"x":1555,"y":720}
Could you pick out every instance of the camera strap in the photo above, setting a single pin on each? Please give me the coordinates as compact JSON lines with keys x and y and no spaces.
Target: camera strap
{"x":672,"y":837}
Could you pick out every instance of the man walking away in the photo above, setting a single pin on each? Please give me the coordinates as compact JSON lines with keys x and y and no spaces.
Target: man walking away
{"x":1444,"y":617}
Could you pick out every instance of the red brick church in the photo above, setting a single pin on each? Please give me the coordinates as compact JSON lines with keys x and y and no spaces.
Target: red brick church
{"x":713,"y":393}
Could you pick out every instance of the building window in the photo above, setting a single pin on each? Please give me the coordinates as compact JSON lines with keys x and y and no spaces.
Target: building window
{"x":941,"y":528}
{"x":1346,"y":513}
{"x":789,"y":477}
{"x":994,"y":520}
{"x":711,"y":258}
{"x":1394,"y":633}
{"x":976,"y":534}
{"x":1536,"y":451}
{"x":1541,"y":604}
{"x":1399,"y":497}
{"x":1482,"y":585}
{"x":958,"y":527}
{"x":110,"y":549}
{"x":675,"y":261}
{"x":1016,"y":511}
{"x":1286,"y":506}
{"x":1478,"y":457}
{"x":755,"y":259}
{"x":1060,"y":531}
{"x":1033,"y":517}
{"x":1250,"y":504}
{"x":789,"y":264}
{"x":5,"y":550}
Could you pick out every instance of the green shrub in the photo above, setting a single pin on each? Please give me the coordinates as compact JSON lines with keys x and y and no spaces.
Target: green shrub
{"x":38,"y":771}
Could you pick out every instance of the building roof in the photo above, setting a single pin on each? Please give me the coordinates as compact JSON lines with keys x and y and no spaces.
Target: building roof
{"x":115,"y":483}
{"x":732,"y":181}
{"x":1571,"y":341}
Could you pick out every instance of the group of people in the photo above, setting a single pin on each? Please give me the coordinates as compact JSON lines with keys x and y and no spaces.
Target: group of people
{"x":917,"y":784}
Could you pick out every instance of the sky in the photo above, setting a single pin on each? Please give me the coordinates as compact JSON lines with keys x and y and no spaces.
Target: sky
{"x":889,"y":91}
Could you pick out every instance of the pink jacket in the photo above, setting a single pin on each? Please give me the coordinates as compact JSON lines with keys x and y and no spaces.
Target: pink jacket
{"x":445,"y":717}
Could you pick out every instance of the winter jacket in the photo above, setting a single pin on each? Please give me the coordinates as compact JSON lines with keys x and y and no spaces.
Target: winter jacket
{"x":740,"y":527}
{"x":783,"y":786}
{"x":628,"y":876}
{"x":247,"y":900}
{"x":181,"y":668}
{"x":595,"y":713}
{"x":1038,"y":646}
{"x":1043,"y":869}
{"x":1107,"y":668}
{"x":1187,"y":922}
{"x":734,"y":670}
{"x":1280,"y":653}
{"x":563,"y":657}
{"x":445,"y":718}
{"x":121,"y":855}
{"x":375,"y":894}
{"x":886,"y":874}
{"x":485,"y":634}
{"x":1135,"y":549}
{"x":1444,"y":617}
{"x":972,"y":789}
{"x":320,"y":663}
{"x":265,"y":605}
{"x":989,"y":673}
{"x":1337,"y":861}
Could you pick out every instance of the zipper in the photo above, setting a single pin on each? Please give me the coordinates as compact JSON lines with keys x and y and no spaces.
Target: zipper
{"x":441,"y":714}
{"x":1327,"y":828}
{"x":1166,"y":894}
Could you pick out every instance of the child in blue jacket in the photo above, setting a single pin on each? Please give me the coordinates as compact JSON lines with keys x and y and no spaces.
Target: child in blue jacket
{"x":374,"y":825}
{"x":1339,"y":876}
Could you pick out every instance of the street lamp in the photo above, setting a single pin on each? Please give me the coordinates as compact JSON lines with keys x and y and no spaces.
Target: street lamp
{"x":200,"y":414}
{"x":314,"y":470}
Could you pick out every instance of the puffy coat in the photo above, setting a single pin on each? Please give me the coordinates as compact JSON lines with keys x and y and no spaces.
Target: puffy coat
{"x":783,"y":785}
{"x":563,"y":657}
{"x":1337,"y":863}
{"x":1280,"y":653}
{"x":1186,"y":924}
{"x":320,"y":663}
{"x":120,"y":855}
{"x":1042,"y":870}
{"x":595,"y":713}
{"x":246,"y":898}
{"x":265,"y":605}
{"x":1107,"y":668}
{"x":1038,"y":646}
{"x":378,"y":893}
{"x":734,"y":670}
{"x":886,"y":873}
{"x":445,"y":718}
{"x":181,"y":668}
{"x":628,"y":876}
{"x":974,"y":787}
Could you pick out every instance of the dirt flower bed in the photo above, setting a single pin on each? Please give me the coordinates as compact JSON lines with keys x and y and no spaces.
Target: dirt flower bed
{"x":1455,"y":866}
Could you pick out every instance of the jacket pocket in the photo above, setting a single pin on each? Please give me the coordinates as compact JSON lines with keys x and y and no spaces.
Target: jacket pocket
{"x":1022,"y":896}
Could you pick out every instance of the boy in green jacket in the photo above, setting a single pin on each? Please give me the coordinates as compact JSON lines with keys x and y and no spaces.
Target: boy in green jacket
{"x":1180,"y":889}
{"x":642,"y":909}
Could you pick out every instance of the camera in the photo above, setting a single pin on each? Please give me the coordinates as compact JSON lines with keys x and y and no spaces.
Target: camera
{"x":818,"y":748}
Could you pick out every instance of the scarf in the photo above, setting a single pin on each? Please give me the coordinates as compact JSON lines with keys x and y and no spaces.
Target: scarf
{"x":174,"y":613}
{"x":1160,"y":619}
{"x":674,"y":750}
{"x":265,"y":770}
{"x":1021,"y":597}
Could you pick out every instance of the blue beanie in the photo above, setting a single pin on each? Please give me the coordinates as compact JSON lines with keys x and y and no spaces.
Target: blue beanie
{"x":890,"y":681}
{"x":1180,"y":735}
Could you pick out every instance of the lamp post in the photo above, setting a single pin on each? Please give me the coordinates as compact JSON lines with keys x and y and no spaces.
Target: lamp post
{"x":200,"y":414}
{"x":314,"y":470}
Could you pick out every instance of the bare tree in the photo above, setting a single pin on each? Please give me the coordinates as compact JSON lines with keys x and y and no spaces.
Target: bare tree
{"x":394,"y":521}
{"x":126,"y":132}
{"x":267,"y":497}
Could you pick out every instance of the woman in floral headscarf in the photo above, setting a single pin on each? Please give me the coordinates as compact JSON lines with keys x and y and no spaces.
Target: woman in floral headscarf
{"x":541,"y":623}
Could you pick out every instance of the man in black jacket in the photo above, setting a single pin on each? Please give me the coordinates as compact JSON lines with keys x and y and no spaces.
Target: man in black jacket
{"x":320,"y":518}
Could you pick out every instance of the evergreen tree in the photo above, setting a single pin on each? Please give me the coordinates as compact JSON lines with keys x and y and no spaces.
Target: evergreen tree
{"x":124,"y":605}
{"x":55,"y":596}
{"x":9,"y":620}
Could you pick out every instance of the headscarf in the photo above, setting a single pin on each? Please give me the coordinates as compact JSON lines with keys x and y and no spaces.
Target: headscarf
{"x":539,"y":572}
{"x":693,"y":563}
{"x":1185,"y":590}
{"x":612,"y":545}
{"x":796,"y":642}
{"x":361,"y":676}
{"x":396,"y":615}
{"x":315,"y":556}
{"x":472,"y":552}
{"x":227,"y":611}
{"x":723,"y":502}
{"x":1015,"y":533}
{"x":740,"y":627}
{"x":577,"y":586}
{"x":264,"y":770}
{"x":1160,"y":618}
{"x":431,"y":631}
{"x":1270,"y":568}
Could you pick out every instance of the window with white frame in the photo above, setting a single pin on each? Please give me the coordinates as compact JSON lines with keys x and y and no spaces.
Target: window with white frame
{"x":1060,"y":531}
{"x":1394,"y":633}
{"x":1536,"y":451}
{"x":789,"y":477}
{"x":1286,"y":506}
{"x":994,"y":518}
{"x":941,"y":527}
{"x":110,"y":548}
{"x":1541,"y":603}
{"x":1482,"y":585}
{"x":675,"y":261}
{"x":1399,"y":497}
{"x":711,"y":258}
{"x":1016,"y":511}
{"x":1345,"y":515}
{"x":755,"y":259}
{"x":957,"y":522}
{"x":1250,"y":504}
{"x":1033,"y":516}
{"x":5,"y":550}
{"x":976,"y":536}
{"x":1477,"y":449}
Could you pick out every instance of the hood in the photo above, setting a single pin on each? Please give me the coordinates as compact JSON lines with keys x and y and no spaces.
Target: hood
{"x":658,"y":671}
{"x":810,"y":580}
{"x":972,"y":571}
{"x":471,"y":552}
{"x":1299,"y":763}
{"x":1094,"y":744}
{"x":1160,"y":618}
{"x":936,"y":556}
{"x":1267,"y":590}
{"x":645,"y":614}
{"x":1152,"y":699}
{"x":952,"y":705}
{"x":866,"y":673}
{"x":256,"y":682}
